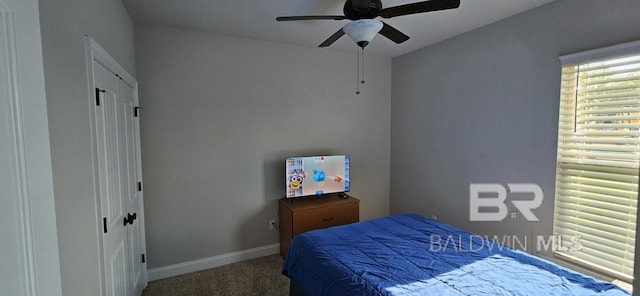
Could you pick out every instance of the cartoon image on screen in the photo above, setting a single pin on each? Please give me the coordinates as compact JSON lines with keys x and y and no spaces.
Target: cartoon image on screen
{"x":317,"y":175}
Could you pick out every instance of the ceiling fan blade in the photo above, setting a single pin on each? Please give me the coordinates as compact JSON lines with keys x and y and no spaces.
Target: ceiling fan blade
{"x":393,"y":34}
{"x":311,"y":17}
{"x":332,"y":38}
{"x":419,"y":7}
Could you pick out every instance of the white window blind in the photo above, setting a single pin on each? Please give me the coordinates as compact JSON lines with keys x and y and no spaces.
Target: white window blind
{"x":598,"y":162}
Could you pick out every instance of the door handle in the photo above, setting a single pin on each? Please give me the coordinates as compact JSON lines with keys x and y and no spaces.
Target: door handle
{"x":129,"y":218}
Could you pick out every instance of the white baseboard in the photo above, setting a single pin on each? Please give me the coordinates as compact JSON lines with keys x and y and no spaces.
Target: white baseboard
{"x":211,"y":262}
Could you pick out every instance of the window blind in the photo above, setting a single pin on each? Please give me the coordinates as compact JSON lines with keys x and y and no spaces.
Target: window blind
{"x":598,"y":163}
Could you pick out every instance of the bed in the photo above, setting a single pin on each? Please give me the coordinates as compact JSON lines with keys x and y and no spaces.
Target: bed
{"x":400,"y":255}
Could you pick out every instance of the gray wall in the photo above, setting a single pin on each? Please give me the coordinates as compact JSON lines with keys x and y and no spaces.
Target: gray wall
{"x":219,"y":116}
{"x":63,"y":25}
{"x":483,"y":107}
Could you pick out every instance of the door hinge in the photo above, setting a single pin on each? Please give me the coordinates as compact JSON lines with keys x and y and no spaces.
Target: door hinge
{"x":144,"y":259}
{"x":136,"y":111}
{"x":104,"y":224}
{"x":98,"y":91}
{"x":139,"y":186}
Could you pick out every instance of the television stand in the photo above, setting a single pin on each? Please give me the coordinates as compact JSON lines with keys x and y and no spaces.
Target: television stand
{"x":304,"y":214}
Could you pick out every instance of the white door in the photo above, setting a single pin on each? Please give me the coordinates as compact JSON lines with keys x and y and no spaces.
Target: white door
{"x":118,"y":183}
{"x":112,"y":180}
{"x":133,"y":187}
{"x":29,"y":262}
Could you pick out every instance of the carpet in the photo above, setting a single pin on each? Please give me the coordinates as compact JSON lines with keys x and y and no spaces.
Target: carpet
{"x":260,"y":277}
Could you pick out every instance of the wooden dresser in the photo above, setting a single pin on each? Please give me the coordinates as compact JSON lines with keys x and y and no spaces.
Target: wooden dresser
{"x":305,"y":214}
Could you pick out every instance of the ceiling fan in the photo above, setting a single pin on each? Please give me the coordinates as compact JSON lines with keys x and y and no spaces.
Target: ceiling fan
{"x":364,"y":27}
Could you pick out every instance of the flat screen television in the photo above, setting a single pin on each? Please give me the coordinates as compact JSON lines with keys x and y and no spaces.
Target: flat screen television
{"x":317,"y":175}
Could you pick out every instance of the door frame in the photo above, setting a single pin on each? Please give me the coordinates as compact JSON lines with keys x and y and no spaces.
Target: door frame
{"x":29,"y":135}
{"x":95,"y":52}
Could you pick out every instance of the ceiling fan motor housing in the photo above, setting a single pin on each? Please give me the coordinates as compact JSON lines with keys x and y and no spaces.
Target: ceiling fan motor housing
{"x":362,"y":9}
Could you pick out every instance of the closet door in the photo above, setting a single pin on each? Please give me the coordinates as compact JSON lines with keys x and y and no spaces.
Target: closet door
{"x":118,"y":176}
{"x":112,"y":180}
{"x":133,"y":187}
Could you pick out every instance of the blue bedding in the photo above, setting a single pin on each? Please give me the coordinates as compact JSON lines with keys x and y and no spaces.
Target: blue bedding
{"x":391,"y":256}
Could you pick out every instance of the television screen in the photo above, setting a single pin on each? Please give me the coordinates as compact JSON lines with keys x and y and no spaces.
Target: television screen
{"x":317,"y":175}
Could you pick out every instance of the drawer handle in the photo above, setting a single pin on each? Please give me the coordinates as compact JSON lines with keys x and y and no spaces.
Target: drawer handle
{"x":327,"y":219}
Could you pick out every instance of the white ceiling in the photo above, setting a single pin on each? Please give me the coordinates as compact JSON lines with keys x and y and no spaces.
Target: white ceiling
{"x":256,"y":19}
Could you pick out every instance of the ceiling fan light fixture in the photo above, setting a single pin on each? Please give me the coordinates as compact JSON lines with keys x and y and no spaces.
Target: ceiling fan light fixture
{"x":362,"y":31}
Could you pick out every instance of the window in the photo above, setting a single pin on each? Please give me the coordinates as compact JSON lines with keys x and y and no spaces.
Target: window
{"x":599,"y":159}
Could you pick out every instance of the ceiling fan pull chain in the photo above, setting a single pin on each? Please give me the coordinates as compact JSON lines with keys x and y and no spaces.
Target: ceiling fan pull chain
{"x":362,"y":81}
{"x":358,"y":71}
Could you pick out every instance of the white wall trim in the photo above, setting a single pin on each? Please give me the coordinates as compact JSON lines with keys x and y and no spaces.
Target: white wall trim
{"x":27,"y":195}
{"x":100,"y":55}
{"x":90,"y":53}
{"x":211,"y":262}
{"x":19,"y":191}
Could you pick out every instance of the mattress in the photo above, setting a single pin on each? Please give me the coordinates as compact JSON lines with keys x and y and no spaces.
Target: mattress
{"x":414,"y":255}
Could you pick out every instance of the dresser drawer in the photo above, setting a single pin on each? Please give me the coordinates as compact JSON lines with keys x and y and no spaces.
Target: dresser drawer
{"x":318,"y":218}
{"x":305,"y":214}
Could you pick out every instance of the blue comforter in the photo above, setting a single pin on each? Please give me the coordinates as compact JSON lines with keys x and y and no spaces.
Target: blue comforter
{"x":399,"y":255}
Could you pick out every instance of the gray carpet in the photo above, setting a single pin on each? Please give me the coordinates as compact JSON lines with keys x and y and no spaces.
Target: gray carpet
{"x":254,"y":277}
